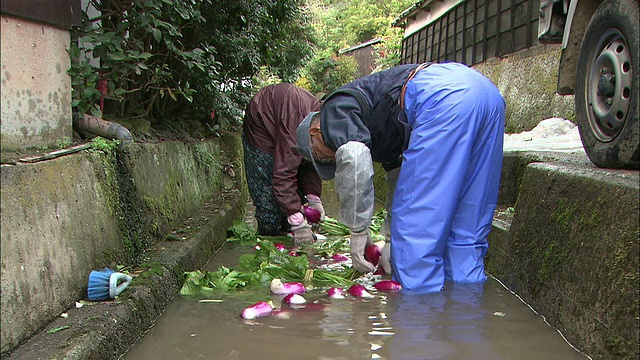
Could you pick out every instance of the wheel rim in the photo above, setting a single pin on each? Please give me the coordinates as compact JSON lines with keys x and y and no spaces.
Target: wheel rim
{"x":609,"y":85}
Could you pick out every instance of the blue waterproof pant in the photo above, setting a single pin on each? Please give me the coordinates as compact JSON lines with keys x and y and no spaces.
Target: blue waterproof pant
{"x":448,"y":184}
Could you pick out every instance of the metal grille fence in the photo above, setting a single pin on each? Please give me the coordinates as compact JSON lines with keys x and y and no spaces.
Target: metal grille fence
{"x":474,"y":31}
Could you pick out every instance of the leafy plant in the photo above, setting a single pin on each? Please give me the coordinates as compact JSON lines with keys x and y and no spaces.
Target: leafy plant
{"x":268,"y":262}
{"x":326,"y":74}
{"x":170,"y":60}
{"x":241,"y":232}
{"x":340,"y":24}
{"x":101,"y":144}
{"x":333,"y":227}
{"x":388,"y":50}
{"x":65,"y":142}
{"x":260,"y":267}
{"x":334,"y":245}
{"x":223,"y":279}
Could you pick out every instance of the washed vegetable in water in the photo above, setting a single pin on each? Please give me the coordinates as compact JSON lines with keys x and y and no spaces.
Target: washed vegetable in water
{"x":294,"y":299}
{"x":279,"y":288}
{"x":388,"y":285}
{"x":339,"y":258}
{"x":261,"y":308}
{"x":358,"y":290}
{"x":270,"y":260}
{"x":336,"y":293}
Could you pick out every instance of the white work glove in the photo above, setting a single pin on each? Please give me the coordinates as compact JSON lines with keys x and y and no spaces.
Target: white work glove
{"x":301,"y":229}
{"x":315,"y":202}
{"x":358,"y":242}
{"x":385,"y":258}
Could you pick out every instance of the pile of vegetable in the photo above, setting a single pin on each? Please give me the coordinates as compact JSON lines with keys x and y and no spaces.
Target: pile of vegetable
{"x":272,"y":259}
{"x":331,"y":226}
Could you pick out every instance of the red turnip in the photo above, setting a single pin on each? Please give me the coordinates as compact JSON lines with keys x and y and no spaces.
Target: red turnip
{"x":261,"y":308}
{"x":280,"y":288}
{"x":388,"y":285}
{"x":358,"y":290}
{"x":372,"y":254}
{"x":336,"y":293}
{"x":339,"y":258}
{"x":312,"y":215}
{"x":293,"y":252}
{"x":294,"y":299}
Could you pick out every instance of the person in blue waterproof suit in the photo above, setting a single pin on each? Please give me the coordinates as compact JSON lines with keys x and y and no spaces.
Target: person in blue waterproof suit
{"x":438,"y":130}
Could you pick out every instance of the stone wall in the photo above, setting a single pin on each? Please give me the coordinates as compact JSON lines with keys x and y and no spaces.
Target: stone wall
{"x":527,"y":80}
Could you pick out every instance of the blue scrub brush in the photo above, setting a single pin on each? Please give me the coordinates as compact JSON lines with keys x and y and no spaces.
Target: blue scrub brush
{"x":106,"y":284}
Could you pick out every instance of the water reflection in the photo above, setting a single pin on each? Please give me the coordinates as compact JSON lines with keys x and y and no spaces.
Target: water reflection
{"x":444,"y":325}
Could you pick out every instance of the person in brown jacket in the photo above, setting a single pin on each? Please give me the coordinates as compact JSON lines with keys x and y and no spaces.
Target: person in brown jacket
{"x":280,"y":181}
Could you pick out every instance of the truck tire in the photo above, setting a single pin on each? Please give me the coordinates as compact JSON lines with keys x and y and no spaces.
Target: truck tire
{"x":606,"y":96}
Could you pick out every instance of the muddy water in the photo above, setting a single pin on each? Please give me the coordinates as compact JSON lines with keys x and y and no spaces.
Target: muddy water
{"x":462,"y":322}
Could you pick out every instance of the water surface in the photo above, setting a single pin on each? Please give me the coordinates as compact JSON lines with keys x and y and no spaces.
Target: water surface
{"x":477,"y":321}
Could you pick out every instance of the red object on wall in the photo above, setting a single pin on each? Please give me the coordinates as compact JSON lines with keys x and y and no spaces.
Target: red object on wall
{"x":102,"y":87}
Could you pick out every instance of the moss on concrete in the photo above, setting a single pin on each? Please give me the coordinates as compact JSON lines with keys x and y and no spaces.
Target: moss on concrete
{"x":97,"y":209}
{"x":572,"y":254}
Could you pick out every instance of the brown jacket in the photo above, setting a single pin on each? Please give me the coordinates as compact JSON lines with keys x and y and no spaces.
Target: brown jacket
{"x":270,"y":124}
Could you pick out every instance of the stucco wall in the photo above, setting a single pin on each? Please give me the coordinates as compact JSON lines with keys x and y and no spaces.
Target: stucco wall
{"x":36,"y":89}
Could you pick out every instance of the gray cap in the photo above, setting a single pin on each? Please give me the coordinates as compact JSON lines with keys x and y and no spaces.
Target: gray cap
{"x":327,"y":171}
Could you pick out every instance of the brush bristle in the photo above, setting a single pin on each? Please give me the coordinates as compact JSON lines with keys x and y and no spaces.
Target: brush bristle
{"x":99,"y":285}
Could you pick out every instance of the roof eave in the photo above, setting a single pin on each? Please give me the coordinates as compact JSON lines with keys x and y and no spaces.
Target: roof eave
{"x":400,"y":21}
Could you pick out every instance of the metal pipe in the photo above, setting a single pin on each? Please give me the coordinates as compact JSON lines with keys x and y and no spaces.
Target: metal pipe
{"x":101,"y":127}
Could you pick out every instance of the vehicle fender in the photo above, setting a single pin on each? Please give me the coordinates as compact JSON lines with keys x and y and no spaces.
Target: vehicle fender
{"x":578,"y":17}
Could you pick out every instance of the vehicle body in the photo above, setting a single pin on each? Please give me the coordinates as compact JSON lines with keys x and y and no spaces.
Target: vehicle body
{"x":600,"y":66}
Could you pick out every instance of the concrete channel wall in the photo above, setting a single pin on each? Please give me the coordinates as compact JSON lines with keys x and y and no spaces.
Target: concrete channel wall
{"x":64,"y":217}
{"x":566,"y":241}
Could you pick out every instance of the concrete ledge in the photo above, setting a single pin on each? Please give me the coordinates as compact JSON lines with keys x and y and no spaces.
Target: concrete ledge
{"x":571,"y":252}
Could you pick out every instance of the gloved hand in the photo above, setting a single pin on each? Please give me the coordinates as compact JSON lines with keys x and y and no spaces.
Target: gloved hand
{"x":385,"y":258}
{"x":315,"y":202}
{"x":358,"y":242}
{"x":301,"y":229}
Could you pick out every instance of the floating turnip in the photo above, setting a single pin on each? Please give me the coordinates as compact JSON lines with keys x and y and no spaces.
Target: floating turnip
{"x":294,"y":299}
{"x":261,"y":308}
{"x":358,"y":290}
{"x":339,"y":258}
{"x":293,"y":252}
{"x":280,"y":288}
{"x":388,"y":285}
{"x":336,"y":293}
